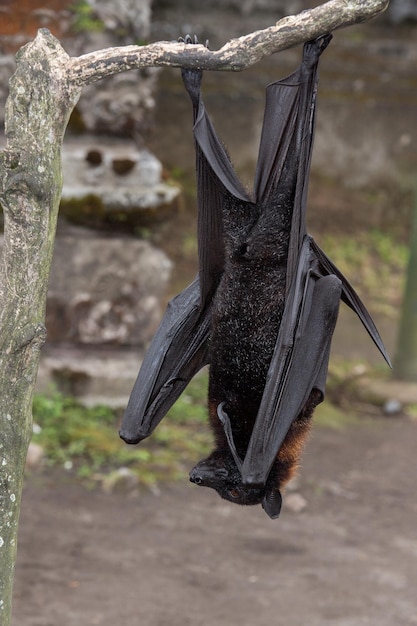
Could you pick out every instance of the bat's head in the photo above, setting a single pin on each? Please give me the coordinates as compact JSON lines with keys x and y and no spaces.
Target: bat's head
{"x":219,"y":471}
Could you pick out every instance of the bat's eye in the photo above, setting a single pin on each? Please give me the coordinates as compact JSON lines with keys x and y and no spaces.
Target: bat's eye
{"x":234,"y":493}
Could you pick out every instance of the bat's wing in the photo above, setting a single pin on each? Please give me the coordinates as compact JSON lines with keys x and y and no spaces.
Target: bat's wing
{"x":180,"y":346}
{"x":301,"y":355}
{"x":314,"y":285}
{"x":298,"y":365}
{"x":177,"y":352}
{"x":215,"y":178}
{"x":351,"y":298}
{"x":286,"y":142}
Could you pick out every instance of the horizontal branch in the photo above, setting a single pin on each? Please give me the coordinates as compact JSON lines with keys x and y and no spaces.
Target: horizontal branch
{"x":237,"y":54}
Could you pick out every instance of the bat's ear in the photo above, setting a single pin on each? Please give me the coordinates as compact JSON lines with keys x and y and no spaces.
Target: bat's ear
{"x":272,"y":502}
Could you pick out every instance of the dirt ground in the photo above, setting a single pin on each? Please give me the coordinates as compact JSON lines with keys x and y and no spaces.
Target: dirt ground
{"x":187,"y":557}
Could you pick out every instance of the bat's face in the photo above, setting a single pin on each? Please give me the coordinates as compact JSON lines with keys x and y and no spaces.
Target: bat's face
{"x":219,"y":471}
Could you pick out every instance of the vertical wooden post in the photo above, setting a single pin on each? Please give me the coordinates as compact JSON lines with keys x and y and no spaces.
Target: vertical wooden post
{"x":405,"y":363}
{"x":37,"y":113}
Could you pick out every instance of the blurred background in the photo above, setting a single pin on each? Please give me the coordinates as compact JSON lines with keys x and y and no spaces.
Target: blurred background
{"x":126,"y":238}
{"x":126,"y":244}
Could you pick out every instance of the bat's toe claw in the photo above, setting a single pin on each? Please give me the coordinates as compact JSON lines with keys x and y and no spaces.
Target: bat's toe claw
{"x":192,"y":40}
{"x":314,"y":48}
{"x":188,"y":39}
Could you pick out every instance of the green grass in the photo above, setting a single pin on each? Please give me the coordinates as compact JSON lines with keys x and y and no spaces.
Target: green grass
{"x":328,"y":415}
{"x":84,"y":18}
{"x":86,"y":439}
{"x":375,"y":263}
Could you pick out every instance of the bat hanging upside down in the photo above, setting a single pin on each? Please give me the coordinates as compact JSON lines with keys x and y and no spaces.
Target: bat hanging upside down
{"x":262,"y":310}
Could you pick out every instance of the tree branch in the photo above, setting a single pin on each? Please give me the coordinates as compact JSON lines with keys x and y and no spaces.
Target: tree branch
{"x":237,"y":54}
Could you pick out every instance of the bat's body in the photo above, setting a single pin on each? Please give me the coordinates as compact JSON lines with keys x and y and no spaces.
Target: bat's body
{"x":263,"y":309}
{"x":247,"y":313}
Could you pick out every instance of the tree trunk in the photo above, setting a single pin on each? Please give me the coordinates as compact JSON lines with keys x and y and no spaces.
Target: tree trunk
{"x":405,"y":364}
{"x":37,"y":112}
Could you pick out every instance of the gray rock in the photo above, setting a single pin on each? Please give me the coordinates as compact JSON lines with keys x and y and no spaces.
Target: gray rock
{"x":392,"y":407}
{"x":105,"y":291}
{"x":122,"y":479}
{"x":123,"y":177}
{"x":402,"y":10}
{"x":122,"y":104}
{"x":35,"y":455}
{"x":127,"y":17}
{"x":7,"y":67}
{"x":295,"y":502}
{"x":95,"y":375}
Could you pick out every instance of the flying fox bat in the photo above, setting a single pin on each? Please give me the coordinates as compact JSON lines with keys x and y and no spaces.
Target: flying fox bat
{"x":262,"y":310}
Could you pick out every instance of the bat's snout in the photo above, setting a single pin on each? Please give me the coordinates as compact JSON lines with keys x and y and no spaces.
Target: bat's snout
{"x":208,"y":476}
{"x":196,"y":478}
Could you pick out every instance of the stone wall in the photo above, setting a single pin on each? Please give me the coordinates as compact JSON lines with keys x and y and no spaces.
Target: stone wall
{"x":106,"y":291}
{"x":119,"y":105}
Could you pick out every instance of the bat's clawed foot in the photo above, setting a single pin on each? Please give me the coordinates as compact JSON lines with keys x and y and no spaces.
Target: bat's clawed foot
{"x":323,"y":41}
{"x":314,"y":48}
{"x":192,"y":76}
{"x":192,"y":40}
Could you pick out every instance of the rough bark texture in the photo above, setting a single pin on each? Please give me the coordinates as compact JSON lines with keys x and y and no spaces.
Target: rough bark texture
{"x":43,"y":92}
{"x":237,"y":54}
{"x":38,"y":108}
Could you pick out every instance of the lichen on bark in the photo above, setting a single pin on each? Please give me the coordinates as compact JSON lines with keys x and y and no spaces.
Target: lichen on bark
{"x":37,"y":112}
